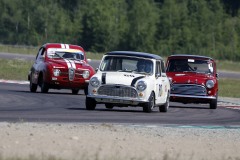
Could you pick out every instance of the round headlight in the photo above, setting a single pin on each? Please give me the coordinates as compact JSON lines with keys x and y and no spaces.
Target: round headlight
{"x":210,"y":84}
{"x":86,"y":74}
{"x":56,"y":72}
{"x":141,"y":86}
{"x":94,"y":82}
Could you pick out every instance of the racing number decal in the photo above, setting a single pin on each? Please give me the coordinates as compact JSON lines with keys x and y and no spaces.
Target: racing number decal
{"x":160,"y":90}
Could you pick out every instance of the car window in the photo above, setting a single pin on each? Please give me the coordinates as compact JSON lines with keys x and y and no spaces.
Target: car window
{"x":126,"y":64}
{"x":163,"y":67}
{"x":190,"y":65}
{"x":40,"y":54}
{"x":158,"y":69}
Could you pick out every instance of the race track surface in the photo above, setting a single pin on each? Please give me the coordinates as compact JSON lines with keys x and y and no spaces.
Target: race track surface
{"x":18,"y":104}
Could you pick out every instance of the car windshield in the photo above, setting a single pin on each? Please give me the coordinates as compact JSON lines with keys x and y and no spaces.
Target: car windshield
{"x":127,"y":64}
{"x":69,"y":55}
{"x":190,"y":65}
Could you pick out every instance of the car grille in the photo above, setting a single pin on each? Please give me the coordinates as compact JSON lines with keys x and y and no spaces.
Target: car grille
{"x":188,"y":89}
{"x":72,"y":74}
{"x":119,"y":90}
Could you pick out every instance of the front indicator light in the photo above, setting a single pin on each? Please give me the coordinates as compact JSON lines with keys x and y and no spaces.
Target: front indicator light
{"x":141,"y":94}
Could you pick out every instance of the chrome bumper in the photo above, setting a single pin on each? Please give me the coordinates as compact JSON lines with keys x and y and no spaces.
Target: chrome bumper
{"x":192,"y":96}
{"x":117,"y":100}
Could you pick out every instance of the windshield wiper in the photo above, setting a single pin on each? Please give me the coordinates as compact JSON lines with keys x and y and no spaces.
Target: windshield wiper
{"x":58,"y":55}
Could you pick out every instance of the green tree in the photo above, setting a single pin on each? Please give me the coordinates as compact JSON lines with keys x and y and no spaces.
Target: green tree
{"x":142,"y":20}
{"x":104,"y":24}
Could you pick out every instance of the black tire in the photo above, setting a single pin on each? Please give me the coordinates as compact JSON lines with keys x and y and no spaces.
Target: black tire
{"x":43,"y":85}
{"x":165,"y":106}
{"x":86,"y":91}
{"x":109,"y":106}
{"x":148,"y":107}
{"x":213,"y":103}
{"x":75,"y":91}
{"x":33,"y":87}
{"x":90,"y":103}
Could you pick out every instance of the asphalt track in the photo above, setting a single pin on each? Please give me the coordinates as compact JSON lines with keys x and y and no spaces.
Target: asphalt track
{"x":18,"y":104}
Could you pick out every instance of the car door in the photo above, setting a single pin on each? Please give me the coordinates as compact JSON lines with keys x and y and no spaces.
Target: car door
{"x":161,"y":82}
{"x":37,"y":65}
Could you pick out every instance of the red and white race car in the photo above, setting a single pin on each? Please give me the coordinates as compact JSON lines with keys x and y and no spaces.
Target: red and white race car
{"x":60,"y":66}
{"x":194,"y":79}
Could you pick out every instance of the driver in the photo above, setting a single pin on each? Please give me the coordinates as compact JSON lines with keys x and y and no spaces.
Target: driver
{"x":144,"y":66}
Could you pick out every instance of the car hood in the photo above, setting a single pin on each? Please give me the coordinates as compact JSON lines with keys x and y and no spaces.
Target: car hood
{"x":121,"y":78}
{"x":189,"y":78}
{"x":64,"y":63}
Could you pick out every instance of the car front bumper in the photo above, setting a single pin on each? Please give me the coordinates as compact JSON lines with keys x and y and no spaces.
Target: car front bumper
{"x":191,"y":98}
{"x":117,"y":100}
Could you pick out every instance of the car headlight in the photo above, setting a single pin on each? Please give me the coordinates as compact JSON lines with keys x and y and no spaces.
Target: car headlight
{"x":56,"y":72}
{"x":210,"y":84}
{"x":94,"y":82}
{"x":86,"y":74}
{"x":141,"y":86}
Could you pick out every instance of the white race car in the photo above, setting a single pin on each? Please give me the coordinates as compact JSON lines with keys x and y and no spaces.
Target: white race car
{"x":127,"y":78}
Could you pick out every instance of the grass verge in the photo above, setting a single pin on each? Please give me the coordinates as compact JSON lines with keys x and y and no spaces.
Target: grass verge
{"x":229,"y":87}
{"x":14,"y":69}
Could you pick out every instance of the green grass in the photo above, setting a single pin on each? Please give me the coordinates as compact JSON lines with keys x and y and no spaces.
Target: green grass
{"x":14,"y":69}
{"x":228,"y":66}
{"x":229,"y":87}
{"x":19,"y":49}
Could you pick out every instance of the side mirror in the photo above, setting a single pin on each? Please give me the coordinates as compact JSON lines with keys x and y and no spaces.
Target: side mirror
{"x":89,"y":60}
{"x":96,"y":69}
{"x":217,"y":75}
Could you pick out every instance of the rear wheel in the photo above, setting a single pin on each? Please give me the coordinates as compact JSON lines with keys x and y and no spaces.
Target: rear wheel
{"x":165,"y":106}
{"x":148,"y":107}
{"x":33,"y":87}
{"x":90,"y":103}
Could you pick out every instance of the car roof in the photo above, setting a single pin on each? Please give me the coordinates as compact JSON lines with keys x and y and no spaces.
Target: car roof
{"x":189,"y":56}
{"x":62,"y":45}
{"x":135,"y":54}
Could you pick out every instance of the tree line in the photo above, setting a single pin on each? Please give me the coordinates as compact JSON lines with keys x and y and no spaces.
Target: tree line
{"x":162,"y":27}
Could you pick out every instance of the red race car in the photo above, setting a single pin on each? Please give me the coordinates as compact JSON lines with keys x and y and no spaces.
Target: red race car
{"x":194,"y":79}
{"x":60,"y":66}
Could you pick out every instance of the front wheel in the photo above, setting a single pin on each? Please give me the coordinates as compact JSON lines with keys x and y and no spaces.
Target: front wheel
{"x":213,"y":103}
{"x":75,"y":91}
{"x":86,"y":91}
{"x":165,"y":106}
{"x":43,"y":85}
{"x":148,"y":107}
{"x":90,"y":103}
{"x":109,"y":106}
